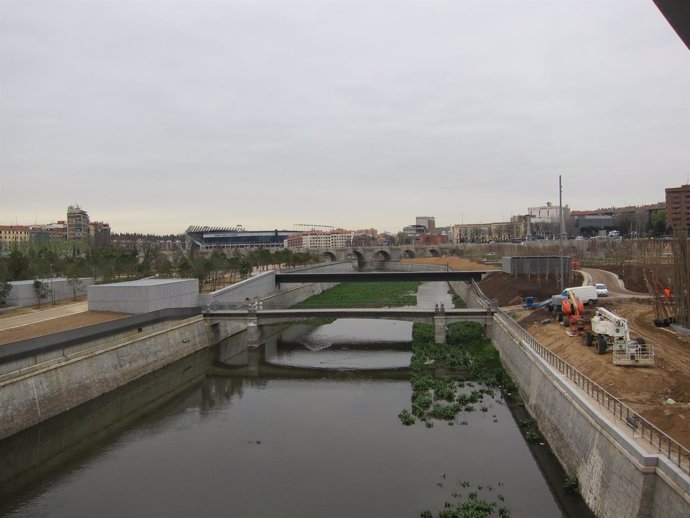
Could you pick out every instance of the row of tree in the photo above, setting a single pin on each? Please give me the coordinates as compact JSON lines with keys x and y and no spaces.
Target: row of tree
{"x":108,"y":264}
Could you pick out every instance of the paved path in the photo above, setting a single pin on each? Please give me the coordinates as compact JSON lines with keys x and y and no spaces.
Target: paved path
{"x":613,"y":283}
{"x":41,"y":315}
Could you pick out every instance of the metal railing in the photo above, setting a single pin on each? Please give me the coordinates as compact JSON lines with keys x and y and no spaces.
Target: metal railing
{"x":664,"y":444}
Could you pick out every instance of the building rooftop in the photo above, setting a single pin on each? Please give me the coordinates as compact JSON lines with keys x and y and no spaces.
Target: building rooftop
{"x":146,"y":282}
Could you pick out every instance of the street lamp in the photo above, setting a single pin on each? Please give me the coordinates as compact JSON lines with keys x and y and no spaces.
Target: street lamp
{"x":52,"y":293}
{"x":560,"y":228}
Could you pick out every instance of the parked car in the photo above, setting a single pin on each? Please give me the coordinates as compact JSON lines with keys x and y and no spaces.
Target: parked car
{"x":602,"y":290}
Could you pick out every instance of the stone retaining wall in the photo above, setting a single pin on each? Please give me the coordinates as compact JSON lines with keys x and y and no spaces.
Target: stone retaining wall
{"x":57,"y":387}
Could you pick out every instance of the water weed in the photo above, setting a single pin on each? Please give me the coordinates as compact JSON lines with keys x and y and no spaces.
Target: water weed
{"x":439,"y":372}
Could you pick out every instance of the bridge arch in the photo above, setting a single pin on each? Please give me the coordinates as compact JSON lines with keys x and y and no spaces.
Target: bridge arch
{"x":433,"y":252}
{"x":382,"y":255}
{"x":408,"y":254}
{"x":358,"y":256}
{"x":328,"y":255}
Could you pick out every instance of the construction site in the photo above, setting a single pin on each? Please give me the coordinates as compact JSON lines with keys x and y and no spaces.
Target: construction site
{"x":649,"y":295}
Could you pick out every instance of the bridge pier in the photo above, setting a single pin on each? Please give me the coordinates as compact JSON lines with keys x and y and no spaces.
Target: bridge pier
{"x":253,"y":330}
{"x":440,"y":322}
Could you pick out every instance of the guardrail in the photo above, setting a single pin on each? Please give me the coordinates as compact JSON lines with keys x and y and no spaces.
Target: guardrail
{"x":664,"y":444}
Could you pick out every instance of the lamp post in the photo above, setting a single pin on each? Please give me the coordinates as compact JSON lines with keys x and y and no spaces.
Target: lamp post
{"x":52,"y":293}
{"x":560,"y":228}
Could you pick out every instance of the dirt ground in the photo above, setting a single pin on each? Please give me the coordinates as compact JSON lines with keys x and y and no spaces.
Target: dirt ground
{"x":661,"y":394}
{"x":52,"y":325}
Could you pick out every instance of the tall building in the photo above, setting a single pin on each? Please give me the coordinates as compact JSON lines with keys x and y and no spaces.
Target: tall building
{"x":77,"y":223}
{"x":678,"y":207}
{"x":428,"y":222}
{"x":99,"y":233}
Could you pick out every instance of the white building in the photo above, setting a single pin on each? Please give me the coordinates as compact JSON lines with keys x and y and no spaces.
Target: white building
{"x":317,"y":239}
{"x":548,"y":213}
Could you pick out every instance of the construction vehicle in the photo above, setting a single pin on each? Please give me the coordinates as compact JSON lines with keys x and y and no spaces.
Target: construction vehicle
{"x":609,"y":331}
{"x":661,"y":300}
{"x":573,"y":310}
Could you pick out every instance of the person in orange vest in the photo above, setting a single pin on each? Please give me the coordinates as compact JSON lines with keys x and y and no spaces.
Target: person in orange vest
{"x":667,"y":292}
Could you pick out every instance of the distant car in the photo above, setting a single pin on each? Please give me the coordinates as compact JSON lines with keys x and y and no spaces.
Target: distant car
{"x":602,"y":290}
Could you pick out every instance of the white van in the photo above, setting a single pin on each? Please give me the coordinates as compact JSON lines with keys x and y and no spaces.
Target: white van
{"x":587,"y":294}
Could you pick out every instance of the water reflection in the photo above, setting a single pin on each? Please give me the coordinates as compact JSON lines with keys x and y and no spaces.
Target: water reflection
{"x":344,"y":344}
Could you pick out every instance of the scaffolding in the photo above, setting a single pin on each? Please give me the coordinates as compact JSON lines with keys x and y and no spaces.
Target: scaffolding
{"x":306,"y":227}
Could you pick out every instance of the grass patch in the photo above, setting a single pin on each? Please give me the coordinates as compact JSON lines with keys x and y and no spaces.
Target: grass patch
{"x":364,"y":295}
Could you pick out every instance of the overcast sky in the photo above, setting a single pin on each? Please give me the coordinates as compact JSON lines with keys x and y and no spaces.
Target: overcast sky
{"x":157,"y":115}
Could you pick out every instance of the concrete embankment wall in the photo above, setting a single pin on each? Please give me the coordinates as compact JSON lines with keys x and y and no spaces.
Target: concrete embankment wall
{"x":618,"y":478}
{"x":49,"y":389}
{"x":263,"y":287}
{"x":68,"y":435}
{"x":46,"y":376}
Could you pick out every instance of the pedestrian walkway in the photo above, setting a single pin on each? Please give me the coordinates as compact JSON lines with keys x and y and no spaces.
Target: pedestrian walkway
{"x":41,"y":315}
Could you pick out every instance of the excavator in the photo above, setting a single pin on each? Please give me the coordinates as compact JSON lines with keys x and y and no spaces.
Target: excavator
{"x":610,"y":331}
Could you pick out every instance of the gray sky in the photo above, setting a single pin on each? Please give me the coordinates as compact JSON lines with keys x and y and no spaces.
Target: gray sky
{"x":156,"y":115}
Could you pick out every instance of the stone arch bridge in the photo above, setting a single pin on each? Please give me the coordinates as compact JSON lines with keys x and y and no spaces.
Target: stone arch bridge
{"x":367,"y":256}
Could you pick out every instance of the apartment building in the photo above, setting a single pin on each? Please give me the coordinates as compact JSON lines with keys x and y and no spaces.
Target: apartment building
{"x":77,"y":223}
{"x":11,"y":235}
{"x":318,"y":239}
{"x":678,"y":207}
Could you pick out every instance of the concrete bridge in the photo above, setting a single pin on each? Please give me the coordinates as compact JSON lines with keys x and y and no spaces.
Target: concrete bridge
{"x":439,"y":317}
{"x":423,"y":276}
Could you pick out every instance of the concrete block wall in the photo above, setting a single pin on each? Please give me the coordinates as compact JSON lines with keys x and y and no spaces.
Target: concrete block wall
{"x":144,"y":296}
{"x":238,"y":293}
{"x":535,"y":264}
{"x":22,"y":293}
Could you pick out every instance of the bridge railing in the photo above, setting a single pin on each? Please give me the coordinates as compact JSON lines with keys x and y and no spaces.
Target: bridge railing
{"x":664,"y":444}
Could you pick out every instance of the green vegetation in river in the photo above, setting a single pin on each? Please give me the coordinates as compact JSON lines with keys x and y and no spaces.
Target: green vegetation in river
{"x":364,"y":295}
{"x":478,"y":502}
{"x":439,"y":371}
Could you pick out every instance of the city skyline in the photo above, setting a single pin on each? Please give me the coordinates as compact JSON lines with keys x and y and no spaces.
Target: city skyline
{"x":156,"y":116}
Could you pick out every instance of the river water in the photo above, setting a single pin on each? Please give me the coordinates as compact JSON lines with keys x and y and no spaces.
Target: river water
{"x":305,"y":426}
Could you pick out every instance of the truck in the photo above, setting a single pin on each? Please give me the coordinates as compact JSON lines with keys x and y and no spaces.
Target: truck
{"x":586,"y":294}
{"x":610,"y":331}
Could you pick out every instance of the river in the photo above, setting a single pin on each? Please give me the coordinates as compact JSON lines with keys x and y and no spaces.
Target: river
{"x":305,"y":426}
